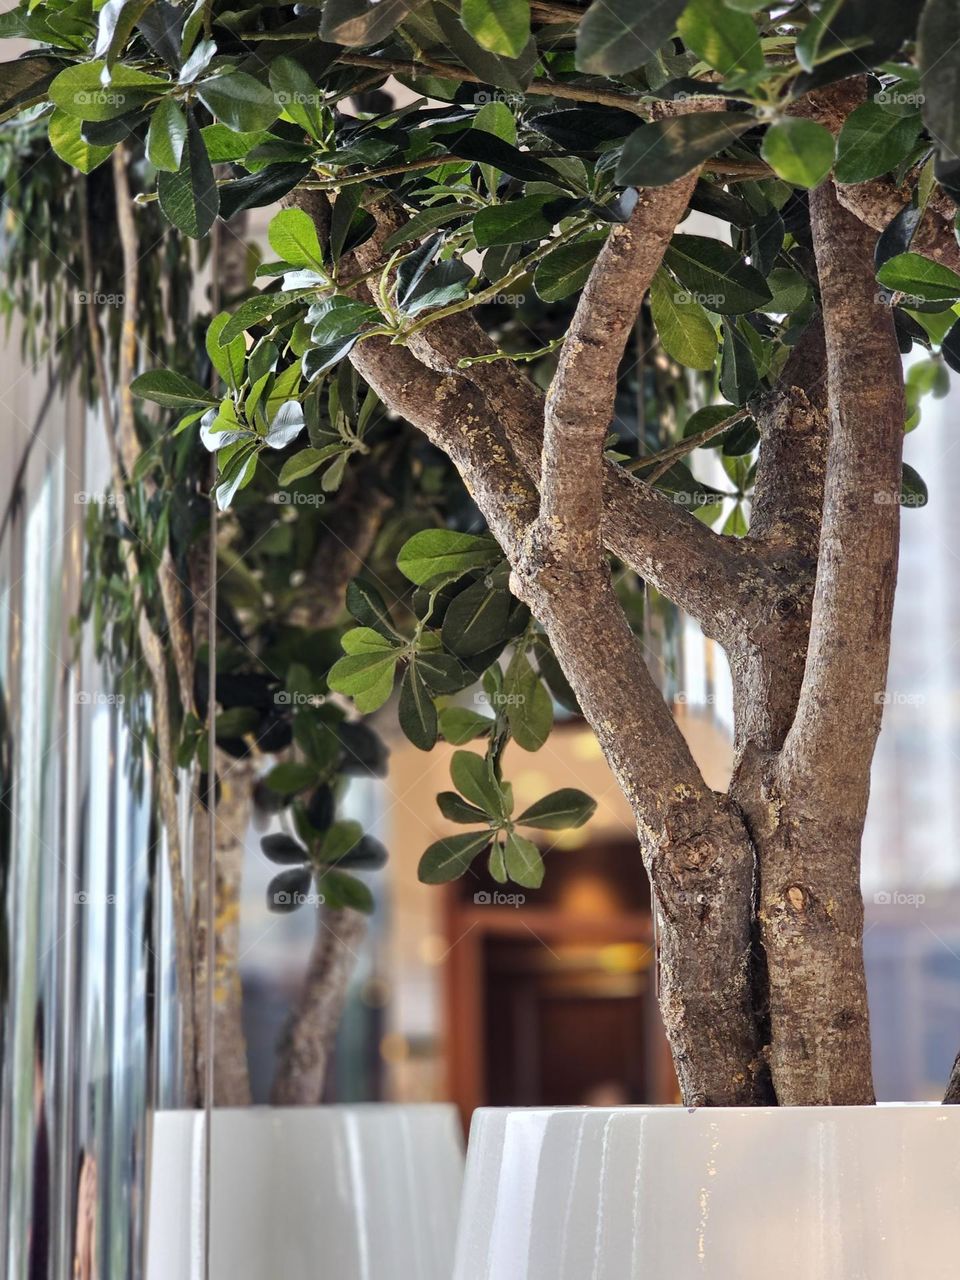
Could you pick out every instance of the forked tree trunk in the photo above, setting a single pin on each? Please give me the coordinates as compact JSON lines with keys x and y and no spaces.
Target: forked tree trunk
{"x":763,"y":992}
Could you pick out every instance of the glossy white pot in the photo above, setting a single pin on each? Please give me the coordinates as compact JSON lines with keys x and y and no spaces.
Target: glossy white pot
{"x":667,"y":1193}
{"x":306,"y":1193}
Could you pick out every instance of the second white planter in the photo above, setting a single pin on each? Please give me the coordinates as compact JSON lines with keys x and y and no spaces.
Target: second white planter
{"x":667,"y":1193}
{"x":340,"y":1192}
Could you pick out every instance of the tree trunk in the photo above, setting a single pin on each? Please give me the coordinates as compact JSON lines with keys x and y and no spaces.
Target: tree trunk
{"x":229,"y":1045}
{"x":307,"y":1041}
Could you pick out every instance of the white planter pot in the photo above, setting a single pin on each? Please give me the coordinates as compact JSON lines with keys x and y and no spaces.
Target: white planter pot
{"x":667,"y":1193}
{"x":306,"y":1193}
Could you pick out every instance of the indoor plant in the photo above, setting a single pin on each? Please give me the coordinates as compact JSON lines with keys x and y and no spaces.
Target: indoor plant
{"x":800,"y":325}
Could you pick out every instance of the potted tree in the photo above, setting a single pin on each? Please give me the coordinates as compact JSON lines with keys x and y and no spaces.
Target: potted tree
{"x":552,"y":153}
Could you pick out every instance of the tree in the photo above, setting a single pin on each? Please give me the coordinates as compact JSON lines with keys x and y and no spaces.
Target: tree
{"x":554,"y":150}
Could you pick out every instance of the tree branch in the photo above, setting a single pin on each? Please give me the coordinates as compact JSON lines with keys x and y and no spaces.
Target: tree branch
{"x":830,"y":744}
{"x":580,"y":402}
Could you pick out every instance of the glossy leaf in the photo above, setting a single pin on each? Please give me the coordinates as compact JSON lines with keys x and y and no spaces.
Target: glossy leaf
{"x":560,"y":810}
{"x":416,"y":711}
{"x":716,"y":275}
{"x":872,"y":142}
{"x":189,"y":197}
{"x":239,"y":100}
{"x":683,"y":326}
{"x":799,"y":151}
{"x":659,"y":153}
{"x":523,"y":861}
{"x":499,"y":26}
{"x":442,"y":551}
{"x":726,"y":40}
{"x":450,"y":858}
{"x":615,"y":36}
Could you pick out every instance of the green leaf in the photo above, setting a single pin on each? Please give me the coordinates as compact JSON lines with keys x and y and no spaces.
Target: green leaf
{"x":561,"y":809}
{"x":295,"y":92}
{"x":799,"y":151}
{"x":228,"y":359}
{"x":665,"y":150}
{"x":499,"y":26}
{"x":615,"y":36}
{"x":189,"y":198}
{"x":116,"y":22}
{"x":293,"y":237}
{"x":367,"y":605}
{"x":259,"y":189}
{"x":71,"y":146}
{"x":306,"y":462}
{"x":498,"y":119}
{"x":442,"y":284}
{"x":807,"y":48}
{"x":239,"y":101}
{"x":716,"y":275}
{"x":726,"y":40}
{"x":172,"y":390}
{"x":283,"y":849}
{"x":442,"y":551}
{"x":225,"y":144}
{"x":455,"y":809}
{"x":415,"y":711}
{"x":913,"y":488}
{"x":443,"y":672}
{"x":872,"y":142}
{"x":566,"y":270}
{"x":259,"y":308}
{"x":683,"y":326}
{"x":918,"y":277}
{"x":167,"y":136}
{"x":739,"y":379}
{"x":79,"y":92}
{"x":513,"y":222}
{"x":291,"y":777}
{"x":340,"y":890}
{"x":339,"y":839}
{"x":367,"y":640}
{"x":476,"y":619}
{"x":474,"y":778}
{"x":365,"y":677}
{"x":939,"y":57}
{"x":361,"y":22}
{"x":528,"y":704}
{"x":459,"y":725}
{"x":450,"y":858}
{"x":523,"y":861}
{"x":512,"y":74}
